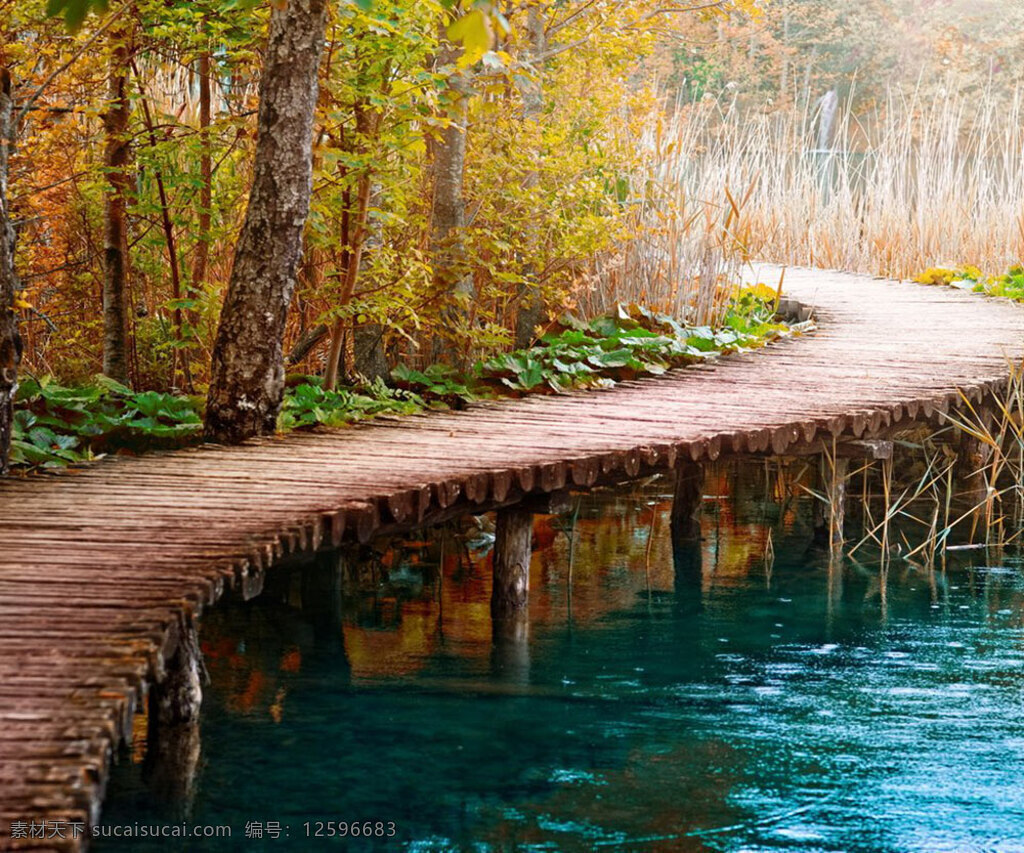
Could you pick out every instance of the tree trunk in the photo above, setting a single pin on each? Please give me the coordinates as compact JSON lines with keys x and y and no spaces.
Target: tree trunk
{"x":354,"y":237}
{"x":10,"y":343}
{"x":116,"y":157}
{"x":448,"y":215}
{"x":784,"y":59}
{"x":807,"y":76}
{"x":448,"y":211}
{"x":202,"y":255}
{"x":247,"y":384}
{"x":531,"y":305}
{"x":306,"y":342}
{"x":827,"y":107}
{"x":368,"y":355}
{"x":179,"y":352}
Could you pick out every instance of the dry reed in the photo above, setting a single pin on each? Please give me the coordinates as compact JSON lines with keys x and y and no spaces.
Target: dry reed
{"x":910,"y":184}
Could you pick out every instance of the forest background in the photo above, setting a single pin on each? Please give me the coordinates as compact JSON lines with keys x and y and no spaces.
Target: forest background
{"x":479,"y":170}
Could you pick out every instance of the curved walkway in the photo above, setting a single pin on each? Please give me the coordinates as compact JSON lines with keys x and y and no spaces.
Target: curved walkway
{"x":97,"y":567}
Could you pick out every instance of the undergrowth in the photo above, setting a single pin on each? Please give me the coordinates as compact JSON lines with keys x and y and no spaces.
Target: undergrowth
{"x":1009,"y":285}
{"x":57,"y":426}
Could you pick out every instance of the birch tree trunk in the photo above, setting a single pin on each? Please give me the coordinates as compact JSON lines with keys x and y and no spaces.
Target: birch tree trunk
{"x":202,"y":253}
{"x":448,"y":216}
{"x":10,"y":343}
{"x":368,"y":356}
{"x":115,"y":212}
{"x":247,"y":384}
{"x":531,"y":304}
{"x":448,"y":210}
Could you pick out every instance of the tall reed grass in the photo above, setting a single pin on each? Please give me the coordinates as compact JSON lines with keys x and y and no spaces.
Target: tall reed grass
{"x":908,"y":184}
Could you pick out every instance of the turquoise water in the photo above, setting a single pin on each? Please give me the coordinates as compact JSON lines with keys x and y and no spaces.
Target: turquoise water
{"x":753,"y":705}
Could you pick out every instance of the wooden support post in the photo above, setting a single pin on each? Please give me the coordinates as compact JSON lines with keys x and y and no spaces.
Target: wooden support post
{"x":689,"y":491}
{"x":171,"y":765}
{"x":549,"y":503}
{"x":513,"y":546}
{"x":510,"y":652}
{"x":176,"y":699}
{"x":321,"y":585}
{"x":685,"y":530}
{"x":277,"y":584}
{"x":173,"y":748}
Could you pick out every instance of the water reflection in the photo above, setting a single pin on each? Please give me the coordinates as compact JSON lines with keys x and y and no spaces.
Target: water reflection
{"x":671,"y":694}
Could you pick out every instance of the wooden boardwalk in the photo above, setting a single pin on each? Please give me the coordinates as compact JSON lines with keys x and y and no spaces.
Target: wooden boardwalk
{"x":98,"y":567}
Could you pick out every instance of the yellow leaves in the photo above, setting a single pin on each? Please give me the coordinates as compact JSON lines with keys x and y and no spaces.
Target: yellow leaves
{"x":401,"y":87}
{"x":473,"y":31}
{"x":939,"y":275}
{"x":497,"y":60}
{"x":758,"y":291}
{"x":751,"y":8}
{"x":21,"y":303}
{"x":477,"y":31}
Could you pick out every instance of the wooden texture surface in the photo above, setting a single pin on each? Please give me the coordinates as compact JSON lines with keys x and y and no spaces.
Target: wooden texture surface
{"x":97,"y":567}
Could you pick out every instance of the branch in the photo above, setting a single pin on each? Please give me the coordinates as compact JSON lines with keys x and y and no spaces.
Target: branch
{"x":554,"y":28}
{"x":71,"y":61}
{"x":682,"y":10}
{"x":306,"y":343}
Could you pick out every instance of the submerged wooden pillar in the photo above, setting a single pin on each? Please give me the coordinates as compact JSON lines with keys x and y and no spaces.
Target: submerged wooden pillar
{"x":321,"y":588}
{"x":176,"y":699}
{"x":687,"y":557}
{"x":688,"y":572}
{"x":173,"y":748}
{"x":686,"y":501}
{"x":510,"y":652}
{"x":513,"y":547}
{"x":171,"y":765}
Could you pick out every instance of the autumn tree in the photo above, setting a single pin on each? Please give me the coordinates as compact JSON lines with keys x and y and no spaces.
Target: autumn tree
{"x":247,"y":375}
{"x":471,"y":170}
{"x":448,"y":204}
{"x":10,"y":344}
{"x":117,"y":156}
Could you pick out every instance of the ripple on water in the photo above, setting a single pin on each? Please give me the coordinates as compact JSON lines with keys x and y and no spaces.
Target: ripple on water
{"x":674,"y":720}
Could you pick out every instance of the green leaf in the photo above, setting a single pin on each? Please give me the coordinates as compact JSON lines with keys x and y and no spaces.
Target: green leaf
{"x":24,"y":420}
{"x":108,"y":384}
{"x":42,"y":437}
{"x":74,"y":11}
{"x":615,"y":358}
{"x":183,"y":304}
{"x":572,"y":369}
{"x":24,"y":452}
